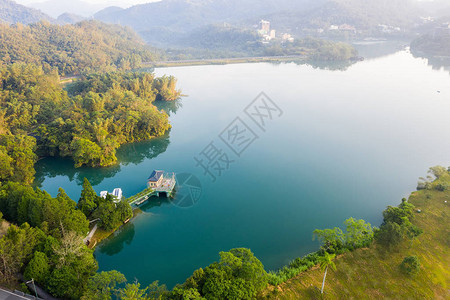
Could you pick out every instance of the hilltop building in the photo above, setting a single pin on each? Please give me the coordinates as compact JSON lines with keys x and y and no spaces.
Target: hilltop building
{"x":264,"y":27}
{"x":286,"y":37}
{"x":273,"y":34}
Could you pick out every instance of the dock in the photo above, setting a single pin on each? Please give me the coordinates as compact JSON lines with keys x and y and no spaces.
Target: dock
{"x":159,"y":184}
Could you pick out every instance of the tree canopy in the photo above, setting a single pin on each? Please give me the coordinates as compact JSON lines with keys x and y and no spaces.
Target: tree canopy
{"x":85,"y":47}
{"x":100,"y":113}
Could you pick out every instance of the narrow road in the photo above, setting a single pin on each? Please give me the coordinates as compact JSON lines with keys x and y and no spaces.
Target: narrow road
{"x":90,"y":235}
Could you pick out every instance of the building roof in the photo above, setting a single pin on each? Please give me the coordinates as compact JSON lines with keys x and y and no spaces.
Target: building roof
{"x":155,"y":176}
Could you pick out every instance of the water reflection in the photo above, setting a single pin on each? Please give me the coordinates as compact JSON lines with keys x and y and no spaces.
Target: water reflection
{"x":56,"y":166}
{"x":331,"y":66}
{"x":377,"y":49}
{"x":170,"y":107}
{"x":133,"y":153}
{"x":436,"y":62}
{"x":125,"y":235}
{"x":115,"y":243}
{"x":153,"y":202}
{"x":322,"y":65}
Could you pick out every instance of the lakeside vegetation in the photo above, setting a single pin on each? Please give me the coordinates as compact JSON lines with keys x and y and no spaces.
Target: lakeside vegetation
{"x":314,"y":49}
{"x":225,"y":49}
{"x":88,"y":123}
{"x":406,"y":255}
{"x":400,"y":261}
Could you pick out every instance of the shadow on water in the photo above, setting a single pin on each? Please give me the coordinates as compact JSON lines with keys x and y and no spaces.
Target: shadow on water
{"x":170,"y":107}
{"x":115,"y":243}
{"x":133,"y":153}
{"x":56,"y":166}
{"x":124,"y":236}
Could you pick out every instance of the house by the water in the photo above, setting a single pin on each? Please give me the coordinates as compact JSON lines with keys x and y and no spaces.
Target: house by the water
{"x":116,"y":193}
{"x":155,"y":179}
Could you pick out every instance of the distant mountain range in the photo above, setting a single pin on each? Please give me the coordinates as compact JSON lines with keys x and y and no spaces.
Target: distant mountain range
{"x":185,"y":15}
{"x":168,"y":21}
{"x":82,"y":8}
{"x":68,"y":18}
{"x":56,"y":8}
{"x":11,"y":13}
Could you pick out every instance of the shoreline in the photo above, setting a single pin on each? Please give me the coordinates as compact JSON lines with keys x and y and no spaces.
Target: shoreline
{"x":221,"y":61}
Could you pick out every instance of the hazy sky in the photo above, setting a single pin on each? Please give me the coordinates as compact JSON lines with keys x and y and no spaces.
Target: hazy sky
{"x":123,"y":3}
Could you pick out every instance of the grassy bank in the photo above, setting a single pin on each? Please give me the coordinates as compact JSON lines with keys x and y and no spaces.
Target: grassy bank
{"x":374,"y":272}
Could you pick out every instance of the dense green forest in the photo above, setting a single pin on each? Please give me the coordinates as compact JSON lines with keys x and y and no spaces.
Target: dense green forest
{"x":88,"y":122}
{"x":82,"y":48}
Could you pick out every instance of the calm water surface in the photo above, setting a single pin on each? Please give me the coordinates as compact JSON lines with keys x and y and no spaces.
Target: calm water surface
{"x":350,"y":142}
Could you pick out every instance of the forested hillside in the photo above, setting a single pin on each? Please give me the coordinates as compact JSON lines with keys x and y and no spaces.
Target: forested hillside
{"x":86,"y":47}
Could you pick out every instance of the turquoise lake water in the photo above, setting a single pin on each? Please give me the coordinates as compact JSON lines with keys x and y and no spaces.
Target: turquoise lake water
{"x":349,"y":142}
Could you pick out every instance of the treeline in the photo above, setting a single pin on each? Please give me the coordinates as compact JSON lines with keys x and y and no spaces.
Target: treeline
{"x":397,"y":227}
{"x":110,"y":212}
{"x":83,"y":48}
{"x":88,"y":123}
{"x":314,"y":49}
{"x":47,"y":243}
{"x":432,"y":44}
{"x":52,"y":252}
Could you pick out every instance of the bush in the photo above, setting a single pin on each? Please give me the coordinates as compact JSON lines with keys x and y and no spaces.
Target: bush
{"x":294,"y":268}
{"x":441,"y":187}
{"x":410,"y":265}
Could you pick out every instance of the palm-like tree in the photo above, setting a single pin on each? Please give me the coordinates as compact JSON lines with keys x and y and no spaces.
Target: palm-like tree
{"x":325,"y":262}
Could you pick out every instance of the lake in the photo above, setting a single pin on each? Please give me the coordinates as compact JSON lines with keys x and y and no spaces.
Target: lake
{"x":342,"y":141}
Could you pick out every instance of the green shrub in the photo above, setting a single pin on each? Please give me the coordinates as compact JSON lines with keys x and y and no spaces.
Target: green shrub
{"x":441,"y":187}
{"x":410,"y":265}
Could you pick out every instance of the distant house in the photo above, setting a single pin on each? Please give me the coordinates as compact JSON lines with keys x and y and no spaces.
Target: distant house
{"x":155,"y":179}
{"x":286,"y":37}
{"x":117,"y":194}
{"x":346,"y":27}
{"x":333,"y":27}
